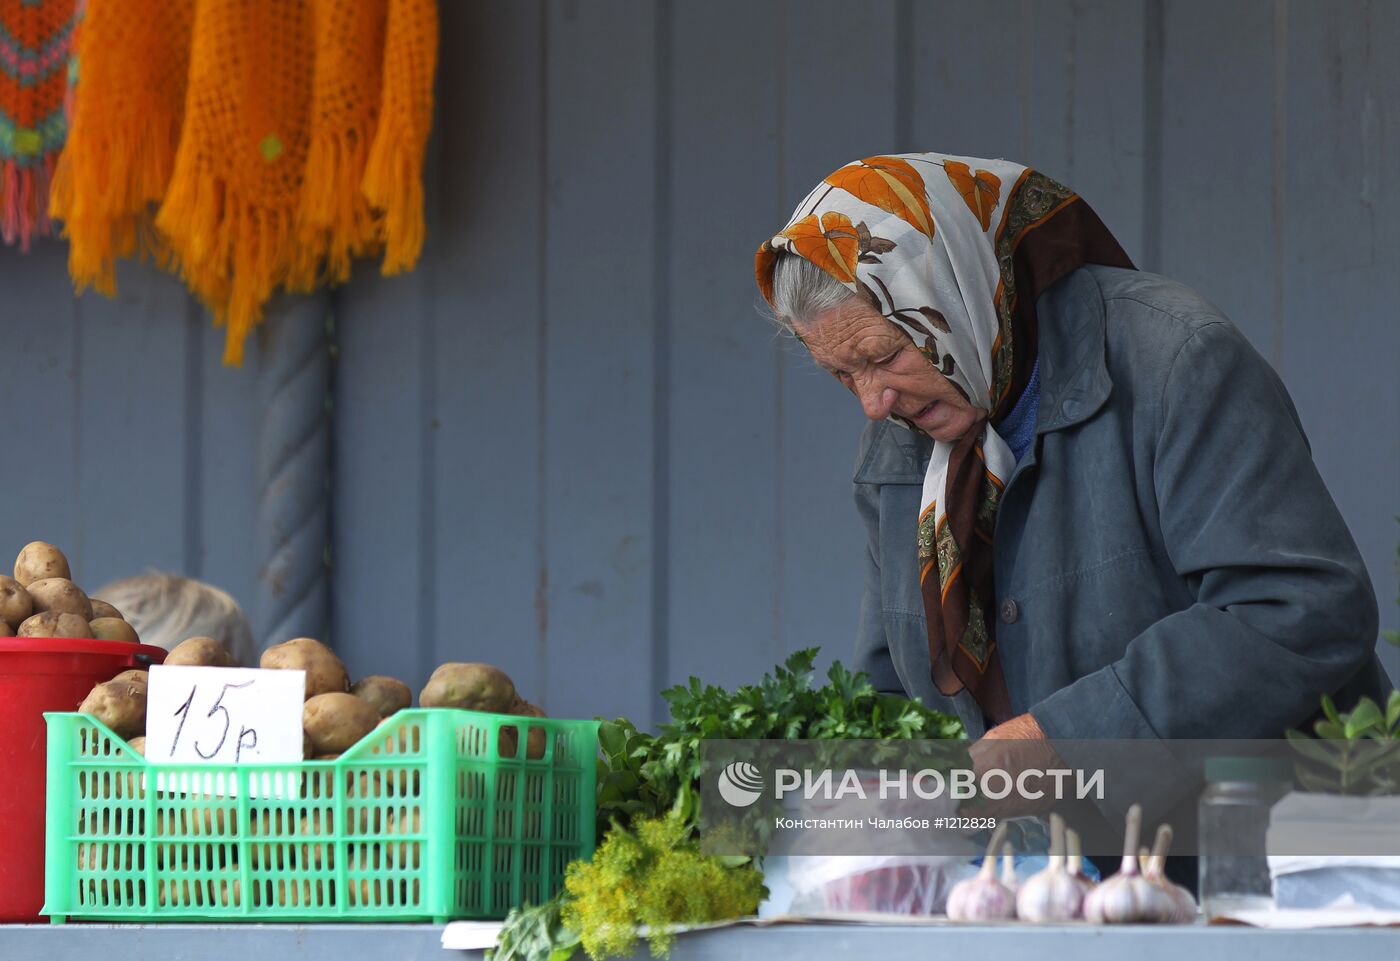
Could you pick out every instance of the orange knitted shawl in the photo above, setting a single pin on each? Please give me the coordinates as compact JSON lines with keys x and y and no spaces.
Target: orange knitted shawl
{"x":279,"y":139}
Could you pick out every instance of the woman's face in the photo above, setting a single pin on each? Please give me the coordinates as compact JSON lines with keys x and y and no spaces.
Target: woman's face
{"x":880,"y":365}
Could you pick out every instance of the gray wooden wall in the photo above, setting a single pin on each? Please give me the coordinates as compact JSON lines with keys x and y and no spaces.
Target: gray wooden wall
{"x":568,"y":445}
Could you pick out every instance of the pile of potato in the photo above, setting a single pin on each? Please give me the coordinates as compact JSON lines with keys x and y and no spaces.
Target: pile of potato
{"x":41,"y":600}
{"x":336,"y":714}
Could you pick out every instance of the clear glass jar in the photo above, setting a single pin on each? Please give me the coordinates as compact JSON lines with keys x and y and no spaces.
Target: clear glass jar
{"x":1234,"y":819}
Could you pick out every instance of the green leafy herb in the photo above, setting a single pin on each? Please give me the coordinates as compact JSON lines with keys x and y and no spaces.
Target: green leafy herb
{"x":639,"y":775}
{"x":535,"y":933}
{"x":653,"y":876}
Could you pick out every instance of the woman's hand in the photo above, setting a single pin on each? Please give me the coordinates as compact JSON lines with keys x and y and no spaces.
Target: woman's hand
{"x":1021,"y":728}
{"x":1014,"y":746}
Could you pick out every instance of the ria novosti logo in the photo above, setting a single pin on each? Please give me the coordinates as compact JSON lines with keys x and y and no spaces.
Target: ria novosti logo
{"x":740,"y":784}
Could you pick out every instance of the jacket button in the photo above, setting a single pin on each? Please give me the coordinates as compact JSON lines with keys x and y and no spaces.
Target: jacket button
{"x":1010,"y":611}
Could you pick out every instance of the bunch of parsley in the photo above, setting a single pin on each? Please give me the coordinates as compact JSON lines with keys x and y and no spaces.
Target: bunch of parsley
{"x":644,"y":775}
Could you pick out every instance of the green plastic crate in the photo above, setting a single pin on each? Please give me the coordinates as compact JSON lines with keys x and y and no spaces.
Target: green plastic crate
{"x":430,"y":817}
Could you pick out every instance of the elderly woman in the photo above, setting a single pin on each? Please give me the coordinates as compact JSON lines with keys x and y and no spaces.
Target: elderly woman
{"x":1092,"y":511}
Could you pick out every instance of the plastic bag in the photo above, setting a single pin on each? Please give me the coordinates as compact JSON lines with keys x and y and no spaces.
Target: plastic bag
{"x":881,"y":884}
{"x":1345,"y":882}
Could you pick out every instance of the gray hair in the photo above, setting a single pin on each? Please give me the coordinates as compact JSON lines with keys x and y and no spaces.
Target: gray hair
{"x":801,"y":289}
{"x":165,"y":609}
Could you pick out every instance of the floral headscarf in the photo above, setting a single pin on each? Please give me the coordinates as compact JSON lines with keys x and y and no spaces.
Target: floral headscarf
{"x":954,"y":251}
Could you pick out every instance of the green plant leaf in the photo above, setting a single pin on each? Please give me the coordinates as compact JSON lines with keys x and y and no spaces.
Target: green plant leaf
{"x":1362,"y":718}
{"x":1311,"y":748}
{"x":1330,"y":709}
{"x":1329,"y":730}
{"x":1371,"y":764}
{"x":1316,"y":782}
{"x":612,"y":738}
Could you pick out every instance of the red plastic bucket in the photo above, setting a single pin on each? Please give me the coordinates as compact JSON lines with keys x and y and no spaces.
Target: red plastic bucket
{"x":39,"y":674}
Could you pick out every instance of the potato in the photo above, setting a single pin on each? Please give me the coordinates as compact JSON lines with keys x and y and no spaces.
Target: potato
{"x":135,"y":674}
{"x":325,"y":674}
{"x":306,"y":893}
{"x":55,"y":624}
{"x":535,"y":736}
{"x":15,"y":603}
{"x":113,"y":629}
{"x":311,"y":855}
{"x":60,"y":594}
{"x":476,"y":687}
{"x":403,"y":854}
{"x":508,"y":739}
{"x":121,"y":705}
{"x":103,"y":609}
{"x":39,"y":560}
{"x":111,"y":857}
{"x":336,"y":720}
{"x":6,"y":630}
{"x":138,"y":744}
{"x":199,"y":652}
{"x":385,"y":694}
{"x":207,"y":823}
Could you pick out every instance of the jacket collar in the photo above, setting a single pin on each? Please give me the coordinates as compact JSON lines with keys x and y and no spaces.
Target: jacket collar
{"x":1074,"y":381}
{"x":892,"y":454}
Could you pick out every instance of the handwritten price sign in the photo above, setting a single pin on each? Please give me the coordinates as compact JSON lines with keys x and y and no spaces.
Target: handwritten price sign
{"x":224,"y":715}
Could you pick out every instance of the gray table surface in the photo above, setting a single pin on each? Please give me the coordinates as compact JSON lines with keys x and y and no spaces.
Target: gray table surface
{"x":807,"y":942}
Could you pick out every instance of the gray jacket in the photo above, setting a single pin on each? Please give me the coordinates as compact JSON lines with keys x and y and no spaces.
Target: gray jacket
{"x":1168,"y":562}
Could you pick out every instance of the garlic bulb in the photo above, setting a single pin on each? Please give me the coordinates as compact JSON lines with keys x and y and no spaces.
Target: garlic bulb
{"x":1075,"y":864}
{"x":1008,"y":868}
{"x":983,"y":897}
{"x":1128,"y":897}
{"x":1051,"y":894}
{"x":1183,"y":904}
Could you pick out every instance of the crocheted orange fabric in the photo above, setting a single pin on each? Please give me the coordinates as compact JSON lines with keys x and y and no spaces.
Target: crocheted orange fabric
{"x":124,"y":122}
{"x":301,"y":134}
{"x":34,"y":47}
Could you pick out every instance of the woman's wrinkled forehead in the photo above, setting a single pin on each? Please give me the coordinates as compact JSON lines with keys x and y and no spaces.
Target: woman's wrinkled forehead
{"x":850,"y":334}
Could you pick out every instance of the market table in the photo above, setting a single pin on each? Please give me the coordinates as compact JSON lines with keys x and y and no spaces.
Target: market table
{"x":807,"y":942}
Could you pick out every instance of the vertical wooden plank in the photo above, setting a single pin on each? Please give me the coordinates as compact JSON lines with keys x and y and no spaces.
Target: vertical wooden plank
{"x":1059,"y":87}
{"x":1216,"y":168}
{"x":39,"y":393}
{"x":1339,"y":288}
{"x":222,"y":550}
{"x":598,"y":358}
{"x":725,"y":606}
{"x":486,"y":259}
{"x":1085,"y":104}
{"x":130,"y":460}
{"x":378,"y":623}
{"x":971,"y":79}
{"x":821,"y":538}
